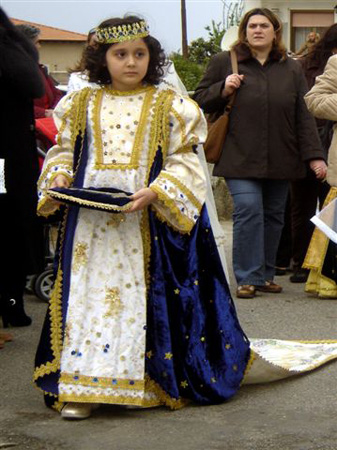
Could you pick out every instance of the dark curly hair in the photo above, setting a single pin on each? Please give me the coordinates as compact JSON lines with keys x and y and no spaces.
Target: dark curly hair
{"x":94,"y":59}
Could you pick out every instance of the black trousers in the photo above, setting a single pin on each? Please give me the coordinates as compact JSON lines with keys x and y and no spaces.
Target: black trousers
{"x":21,"y":244}
{"x":298,"y":228}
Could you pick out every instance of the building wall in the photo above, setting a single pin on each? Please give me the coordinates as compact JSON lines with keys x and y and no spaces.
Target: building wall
{"x":59,"y":57}
{"x":283,"y":10}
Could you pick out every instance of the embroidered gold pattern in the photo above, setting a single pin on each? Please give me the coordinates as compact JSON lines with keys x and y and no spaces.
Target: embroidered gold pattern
{"x":182,"y":126}
{"x":113,"y":301}
{"x":80,"y":257}
{"x":139,"y":137}
{"x":112,"y":400}
{"x":184,"y":224}
{"x":191,"y":197}
{"x":105,"y":382}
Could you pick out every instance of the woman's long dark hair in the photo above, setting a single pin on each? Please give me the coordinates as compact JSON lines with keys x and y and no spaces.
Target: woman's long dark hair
{"x":94,"y":57}
{"x":322,"y":50}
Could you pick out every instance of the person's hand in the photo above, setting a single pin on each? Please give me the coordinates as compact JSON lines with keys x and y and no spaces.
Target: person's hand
{"x":232,"y":82}
{"x":48,"y":113}
{"x":141,"y":199}
{"x":60,"y":181}
{"x":319,"y":167}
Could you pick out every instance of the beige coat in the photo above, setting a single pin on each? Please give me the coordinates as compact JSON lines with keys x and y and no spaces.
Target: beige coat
{"x":321,"y":101}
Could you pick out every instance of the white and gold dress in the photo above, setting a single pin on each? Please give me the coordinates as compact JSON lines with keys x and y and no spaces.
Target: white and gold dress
{"x":141,"y":312}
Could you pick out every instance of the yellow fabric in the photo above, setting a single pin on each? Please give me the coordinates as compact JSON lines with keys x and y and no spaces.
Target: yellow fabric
{"x":314,"y":260}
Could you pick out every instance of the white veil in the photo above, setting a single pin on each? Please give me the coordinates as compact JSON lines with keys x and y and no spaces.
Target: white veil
{"x":171,"y":79}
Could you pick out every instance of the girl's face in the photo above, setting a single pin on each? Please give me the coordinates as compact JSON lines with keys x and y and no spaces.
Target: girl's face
{"x":127,"y":64}
{"x":260,"y":32}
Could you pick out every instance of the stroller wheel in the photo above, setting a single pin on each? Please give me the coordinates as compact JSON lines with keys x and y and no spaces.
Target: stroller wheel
{"x":44,"y":284}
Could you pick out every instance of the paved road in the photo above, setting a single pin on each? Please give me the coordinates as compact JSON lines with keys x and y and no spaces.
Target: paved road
{"x":295,"y":414}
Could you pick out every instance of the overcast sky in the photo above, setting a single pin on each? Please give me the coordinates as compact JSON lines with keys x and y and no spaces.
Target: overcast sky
{"x":162,"y":15}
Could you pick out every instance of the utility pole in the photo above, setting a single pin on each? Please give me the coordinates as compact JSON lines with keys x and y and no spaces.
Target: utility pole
{"x":184,"y":29}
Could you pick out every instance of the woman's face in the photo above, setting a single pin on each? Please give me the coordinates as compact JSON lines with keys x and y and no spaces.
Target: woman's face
{"x":260,"y":32}
{"x":127,"y":64}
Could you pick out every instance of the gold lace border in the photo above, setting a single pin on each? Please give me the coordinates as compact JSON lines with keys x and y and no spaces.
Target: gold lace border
{"x":191,"y":197}
{"x":91,"y":203}
{"x":105,"y":382}
{"x":184,"y":224}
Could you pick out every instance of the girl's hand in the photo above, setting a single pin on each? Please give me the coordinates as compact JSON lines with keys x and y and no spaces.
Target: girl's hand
{"x":60,"y":181}
{"x":141,"y":199}
{"x":232,"y":83}
{"x":319,"y":167}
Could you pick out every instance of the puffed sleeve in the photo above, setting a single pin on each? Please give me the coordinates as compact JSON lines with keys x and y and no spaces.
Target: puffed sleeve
{"x":321,"y":100}
{"x":181,"y":184}
{"x":59,"y":159}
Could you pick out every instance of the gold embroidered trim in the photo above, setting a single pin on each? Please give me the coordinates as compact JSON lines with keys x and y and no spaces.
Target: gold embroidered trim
{"x":185,"y":224}
{"x":146,"y":239}
{"x":91,"y":203}
{"x":199,"y":116}
{"x":191,"y":197}
{"x":173,"y":403}
{"x":56,"y":405}
{"x":64,"y":164}
{"x":56,"y":330}
{"x":250,"y":362}
{"x":313,"y":366}
{"x":139,"y":137}
{"x":43,"y":211}
{"x":185,"y":149}
{"x":53,"y":206}
{"x":159,"y":135}
{"x":105,"y":382}
{"x":55,"y":313}
{"x":182,"y":126}
{"x":139,"y":90}
{"x":78,"y":120}
{"x":108,"y":399}
{"x":193,"y":140}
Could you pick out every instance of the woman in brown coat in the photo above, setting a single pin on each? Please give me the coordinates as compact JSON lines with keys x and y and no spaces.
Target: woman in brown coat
{"x":271,"y":137}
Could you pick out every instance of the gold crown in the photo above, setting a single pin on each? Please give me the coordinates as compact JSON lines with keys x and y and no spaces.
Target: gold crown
{"x":121,"y":33}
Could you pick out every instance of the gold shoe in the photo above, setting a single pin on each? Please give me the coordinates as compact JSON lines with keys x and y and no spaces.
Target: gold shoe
{"x":77,"y":410}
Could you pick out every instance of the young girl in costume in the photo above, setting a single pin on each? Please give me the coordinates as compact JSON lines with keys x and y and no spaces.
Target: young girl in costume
{"x":140,"y":313}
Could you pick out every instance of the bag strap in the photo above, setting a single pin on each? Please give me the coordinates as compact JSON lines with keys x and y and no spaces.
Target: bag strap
{"x":235,"y":69}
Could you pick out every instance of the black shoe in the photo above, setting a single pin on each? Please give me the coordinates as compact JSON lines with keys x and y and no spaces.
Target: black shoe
{"x":300,"y":276}
{"x":280,"y":271}
{"x":13,"y":314}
